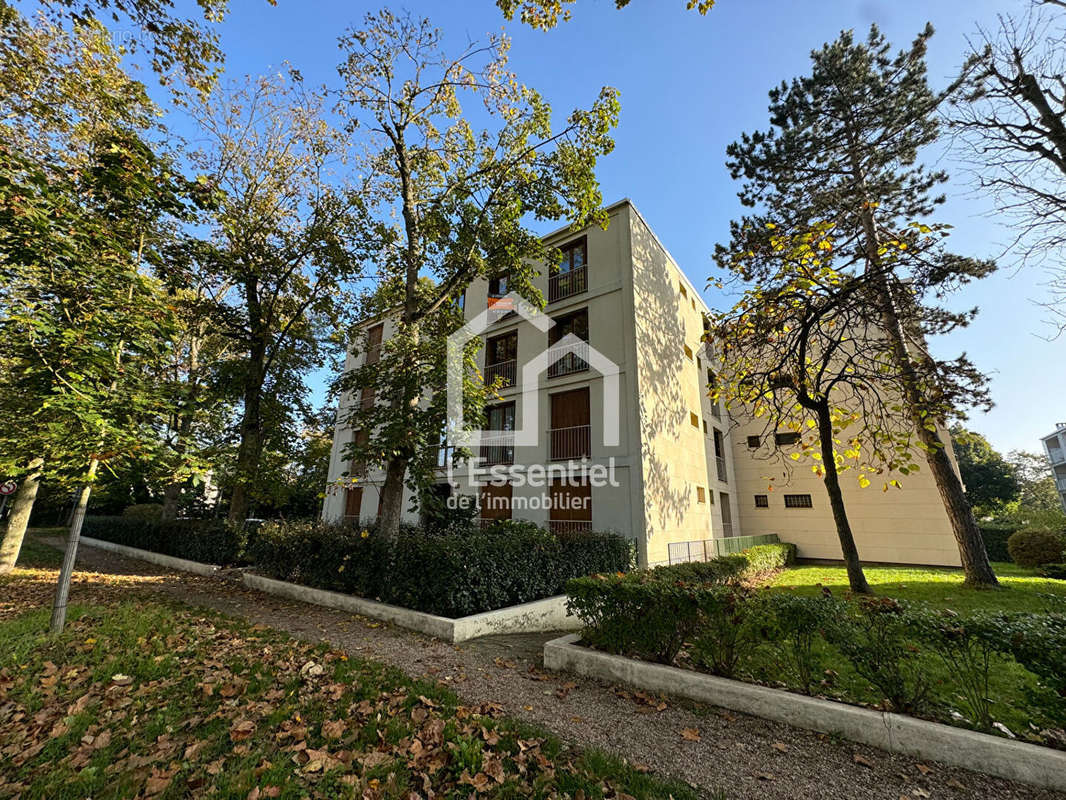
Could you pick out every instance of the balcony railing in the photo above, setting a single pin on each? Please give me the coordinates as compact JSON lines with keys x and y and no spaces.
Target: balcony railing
{"x":723,"y":476}
{"x":497,"y":448}
{"x":372,"y":355}
{"x":566,"y":284}
{"x":1055,"y":454}
{"x":567,"y":443}
{"x":570,"y":525}
{"x":1061,"y":483}
{"x":506,"y":371}
{"x":566,"y":360}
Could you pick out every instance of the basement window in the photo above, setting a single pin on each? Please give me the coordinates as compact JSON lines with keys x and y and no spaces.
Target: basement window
{"x":762,"y":501}
{"x":786,"y":439}
{"x":798,"y":501}
{"x":754,"y":442}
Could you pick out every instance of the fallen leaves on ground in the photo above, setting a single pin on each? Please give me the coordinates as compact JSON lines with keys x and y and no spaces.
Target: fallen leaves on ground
{"x":690,"y":734}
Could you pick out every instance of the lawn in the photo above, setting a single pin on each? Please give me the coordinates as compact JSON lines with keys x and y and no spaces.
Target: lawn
{"x":154,"y":700}
{"x":1022,"y":589}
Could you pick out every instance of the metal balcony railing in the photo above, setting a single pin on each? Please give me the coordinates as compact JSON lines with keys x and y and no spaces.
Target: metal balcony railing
{"x":1061,"y":483}
{"x":570,"y":525}
{"x":506,"y":371}
{"x":567,"y":284}
{"x":723,"y":476}
{"x":567,"y":443}
{"x":727,"y":529}
{"x":563,"y":360}
{"x":498,"y":448}
{"x":1055,"y":454}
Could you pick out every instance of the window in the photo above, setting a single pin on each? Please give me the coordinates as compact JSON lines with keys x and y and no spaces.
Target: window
{"x":494,"y":502}
{"x":705,"y":426}
{"x":695,"y":420}
{"x":701,"y":494}
{"x":754,"y":442}
{"x":570,"y":275}
{"x":684,"y":291}
{"x":498,"y":287}
{"x":693,"y":303}
{"x":798,"y":501}
{"x":501,"y":359}
{"x":688,"y":352}
{"x":570,"y":435}
{"x":570,"y":505}
{"x":498,"y":447}
{"x":719,"y":456}
{"x":567,"y":359}
{"x":706,"y":324}
{"x":353,"y":502}
{"x":762,"y":501}
{"x":786,"y":439}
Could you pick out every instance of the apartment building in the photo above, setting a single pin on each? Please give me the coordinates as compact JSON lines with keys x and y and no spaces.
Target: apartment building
{"x":612,"y":380}
{"x":1055,"y":448}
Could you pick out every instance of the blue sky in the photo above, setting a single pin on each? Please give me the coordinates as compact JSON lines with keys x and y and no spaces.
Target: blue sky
{"x":689,"y":86}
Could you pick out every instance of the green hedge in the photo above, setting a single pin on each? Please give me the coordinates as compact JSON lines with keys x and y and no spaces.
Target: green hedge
{"x":210,"y":541}
{"x":996,"y":542}
{"x":453,"y":573}
{"x":651,"y":613}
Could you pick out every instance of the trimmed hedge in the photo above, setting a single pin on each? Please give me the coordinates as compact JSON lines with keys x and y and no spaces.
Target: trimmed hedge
{"x":652,"y":613}
{"x":210,"y":541}
{"x":1034,"y":548}
{"x":452,"y":573}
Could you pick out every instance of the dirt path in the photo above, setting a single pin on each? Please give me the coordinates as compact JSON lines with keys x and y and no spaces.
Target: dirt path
{"x":739,"y":756}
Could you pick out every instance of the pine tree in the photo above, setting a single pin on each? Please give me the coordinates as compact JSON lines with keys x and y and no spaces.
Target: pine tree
{"x":843,"y":150}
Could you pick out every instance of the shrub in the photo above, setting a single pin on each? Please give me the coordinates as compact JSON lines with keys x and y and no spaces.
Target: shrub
{"x":453,"y":572}
{"x":765,"y":558}
{"x":1035,"y":547}
{"x":210,"y":541}
{"x":794,"y":624}
{"x":875,"y":636}
{"x":1056,"y":571}
{"x":996,"y":541}
{"x":966,"y":646}
{"x":146,"y":512}
{"x":725,"y":629}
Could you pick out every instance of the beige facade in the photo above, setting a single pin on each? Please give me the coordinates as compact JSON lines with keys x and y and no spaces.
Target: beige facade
{"x":680,"y":472}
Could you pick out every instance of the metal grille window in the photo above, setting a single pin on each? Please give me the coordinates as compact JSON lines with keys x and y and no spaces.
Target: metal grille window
{"x":754,"y":442}
{"x":798,"y":501}
{"x":786,"y":439}
{"x":762,"y":501}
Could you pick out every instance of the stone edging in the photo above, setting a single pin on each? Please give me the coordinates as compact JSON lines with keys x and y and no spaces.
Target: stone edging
{"x":896,"y":733}
{"x":170,"y":562}
{"x":540,"y":615}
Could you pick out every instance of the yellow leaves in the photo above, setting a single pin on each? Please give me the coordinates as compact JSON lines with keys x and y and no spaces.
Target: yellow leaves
{"x":863,"y":481}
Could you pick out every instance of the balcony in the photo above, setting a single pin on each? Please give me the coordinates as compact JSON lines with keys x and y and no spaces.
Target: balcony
{"x":497,"y":448}
{"x":506,"y":371}
{"x":570,"y":443}
{"x":1056,"y":456}
{"x":723,"y":476}
{"x":570,"y":525}
{"x":566,"y":360}
{"x":567,"y":284}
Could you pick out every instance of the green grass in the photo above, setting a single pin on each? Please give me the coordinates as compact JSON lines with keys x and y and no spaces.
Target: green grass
{"x":1022,"y":589}
{"x":151,"y":698}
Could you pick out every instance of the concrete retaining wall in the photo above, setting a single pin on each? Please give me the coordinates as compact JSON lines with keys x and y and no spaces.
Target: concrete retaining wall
{"x":538,"y":616}
{"x":170,"y":562}
{"x":1040,"y":766}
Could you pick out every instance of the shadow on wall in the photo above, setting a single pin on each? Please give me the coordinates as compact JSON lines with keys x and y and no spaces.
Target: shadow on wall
{"x":663,"y":407}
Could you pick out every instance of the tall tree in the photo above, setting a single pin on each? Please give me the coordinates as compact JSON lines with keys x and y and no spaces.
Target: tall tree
{"x":989,"y":478}
{"x":843,"y":150}
{"x":464,"y":199}
{"x":1010,"y":114}
{"x":280,"y":238}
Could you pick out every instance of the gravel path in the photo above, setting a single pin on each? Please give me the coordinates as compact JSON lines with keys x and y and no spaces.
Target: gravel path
{"x":736,"y":757}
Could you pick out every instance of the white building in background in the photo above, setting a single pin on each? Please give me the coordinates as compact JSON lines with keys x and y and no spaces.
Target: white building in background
{"x":684,"y":479}
{"x":1055,"y":448}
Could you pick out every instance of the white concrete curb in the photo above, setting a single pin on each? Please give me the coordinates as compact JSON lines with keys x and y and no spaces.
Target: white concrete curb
{"x":1040,"y":766}
{"x":541,"y":615}
{"x":170,"y":562}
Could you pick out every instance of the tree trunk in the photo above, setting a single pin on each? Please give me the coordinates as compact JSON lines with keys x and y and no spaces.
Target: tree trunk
{"x":392,"y":498}
{"x":171,"y":496}
{"x":21,"y":507}
{"x":66,"y":571}
{"x":251,"y":446}
{"x":971,"y":545}
{"x":831,"y":478}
